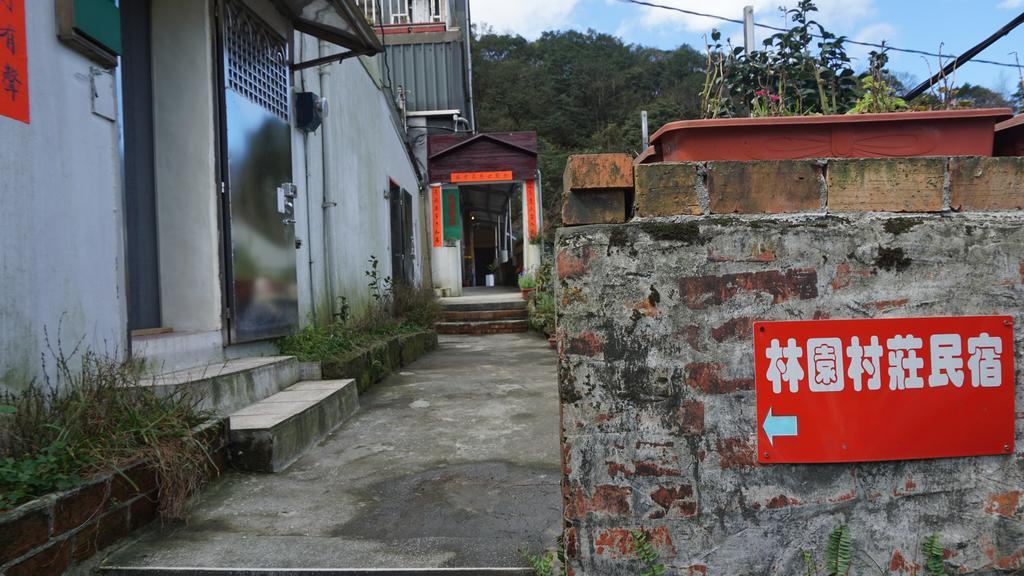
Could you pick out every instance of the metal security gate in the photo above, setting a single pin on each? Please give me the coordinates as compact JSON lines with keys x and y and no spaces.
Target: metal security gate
{"x":260,"y":212}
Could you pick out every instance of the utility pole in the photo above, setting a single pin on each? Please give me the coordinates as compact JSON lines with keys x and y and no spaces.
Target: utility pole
{"x":645,"y":141}
{"x":748,"y":28}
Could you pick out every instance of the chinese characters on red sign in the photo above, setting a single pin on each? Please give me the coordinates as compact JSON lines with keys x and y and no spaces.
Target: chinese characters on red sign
{"x":888,"y":389}
{"x":530,"y":190}
{"x":436,"y":216}
{"x":467,"y":177}
{"x":13,"y":61}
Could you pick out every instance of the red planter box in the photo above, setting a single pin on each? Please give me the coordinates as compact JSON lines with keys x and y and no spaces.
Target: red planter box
{"x":892,"y":135}
{"x":1010,"y":137}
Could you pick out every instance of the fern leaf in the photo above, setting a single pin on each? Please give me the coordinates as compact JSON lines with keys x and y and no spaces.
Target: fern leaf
{"x":845,"y":558}
{"x":809,"y":568}
{"x":933,"y":551}
{"x":839,"y":553}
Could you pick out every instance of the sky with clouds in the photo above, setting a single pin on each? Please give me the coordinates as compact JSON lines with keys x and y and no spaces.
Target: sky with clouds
{"x":955,"y":25}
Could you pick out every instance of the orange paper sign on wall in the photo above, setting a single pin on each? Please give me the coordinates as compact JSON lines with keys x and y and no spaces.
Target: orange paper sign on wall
{"x":477,"y":177}
{"x":531,"y":208}
{"x":13,"y":61}
{"x":437,"y":218}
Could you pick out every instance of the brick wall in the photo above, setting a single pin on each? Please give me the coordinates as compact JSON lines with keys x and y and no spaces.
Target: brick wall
{"x":656,"y":361}
{"x":61,"y":533}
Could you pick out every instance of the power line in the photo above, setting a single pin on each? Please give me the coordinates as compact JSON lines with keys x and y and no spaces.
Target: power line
{"x":848,"y":41}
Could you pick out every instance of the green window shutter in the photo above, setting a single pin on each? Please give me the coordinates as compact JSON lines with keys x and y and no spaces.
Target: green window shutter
{"x":100,"y":21}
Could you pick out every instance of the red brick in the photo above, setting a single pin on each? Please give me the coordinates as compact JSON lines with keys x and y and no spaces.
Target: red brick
{"x":80,"y":506}
{"x":569,"y":265}
{"x":607,"y":499}
{"x":54,"y":559}
{"x":667,"y":189}
{"x":691,"y":418}
{"x":782,"y":501}
{"x":704,"y":376}
{"x":675,"y":501}
{"x":845,"y":274}
{"x":986,"y":184}
{"x":886,"y":185}
{"x":100,"y":534}
{"x":618,"y":542}
{"x":585,"y":344}
{"x":142,"y":511}
{"x":21,"y":533}
{"x":741,"y":328}
{"x":597,"y":172}
{"x":700,"y":292}
{"x":643,"y":468}
{"x":735,"y":453}
{"x":572,"y":550}
{"x":139,"y":478}
{"x":1004,"y":503}
{"x":887,"y":305}
{"x":604,"y":207}
{"x":764,"y":187}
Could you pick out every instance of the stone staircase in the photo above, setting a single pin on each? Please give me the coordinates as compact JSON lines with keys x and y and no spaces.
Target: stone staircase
{"x":274,"y":408}
{"x":479,"y":318}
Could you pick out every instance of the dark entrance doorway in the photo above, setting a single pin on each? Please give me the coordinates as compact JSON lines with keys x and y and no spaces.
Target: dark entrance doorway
{"x":403,"y":247}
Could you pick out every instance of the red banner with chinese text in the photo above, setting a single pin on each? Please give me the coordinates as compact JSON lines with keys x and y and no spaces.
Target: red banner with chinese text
{"x":531,"y":208}
{"x":479,"y":177}
{"x":14,"y":93}
{"x":884,"y":389}
{"x":437,"y":219}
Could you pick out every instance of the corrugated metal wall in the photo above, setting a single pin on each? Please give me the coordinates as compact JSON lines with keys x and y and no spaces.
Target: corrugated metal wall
{"x":431,"y":73}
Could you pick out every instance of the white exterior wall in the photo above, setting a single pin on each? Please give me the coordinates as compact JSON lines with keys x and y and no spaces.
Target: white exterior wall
{"x":349,"y":218}
{"x":62,"y":236}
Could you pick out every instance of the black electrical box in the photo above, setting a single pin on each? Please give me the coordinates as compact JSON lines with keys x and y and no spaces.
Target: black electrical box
{"x":310,"y":110}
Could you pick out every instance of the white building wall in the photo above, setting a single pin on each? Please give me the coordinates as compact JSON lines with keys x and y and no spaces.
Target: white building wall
{"x":62,"y":234}
{"x":349,"y":165}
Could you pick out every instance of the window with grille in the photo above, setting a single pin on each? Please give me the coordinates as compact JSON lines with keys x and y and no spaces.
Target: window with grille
{"x":257,"y":59}
{"x":369,"y":8}
{"x":400,"y":12}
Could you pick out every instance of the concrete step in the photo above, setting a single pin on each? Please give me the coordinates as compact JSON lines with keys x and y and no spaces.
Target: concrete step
{"x":227,"y":386}
{"x":485,"y":315}
{"x":480,"y":328}
{"x":456,"y":306}
{"x":272,"y":433}
{"x":160,"y":571}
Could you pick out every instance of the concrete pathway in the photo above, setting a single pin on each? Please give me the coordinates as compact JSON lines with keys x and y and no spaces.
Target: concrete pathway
{"x":450,"y":463}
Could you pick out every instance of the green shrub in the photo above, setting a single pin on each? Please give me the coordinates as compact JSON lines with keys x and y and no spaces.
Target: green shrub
{"x":414,"y":305}
{"x":96,"y":417}
{"x":541,"y":308}
{"x":527,"y":281}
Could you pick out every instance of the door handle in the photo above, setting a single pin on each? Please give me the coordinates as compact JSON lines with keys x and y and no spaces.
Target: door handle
{"x":288,"y":221}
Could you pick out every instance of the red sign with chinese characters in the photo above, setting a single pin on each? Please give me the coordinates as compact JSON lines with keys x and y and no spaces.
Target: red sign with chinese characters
{"x":13,"y":61}
{"x":476,"y":177}
{"x":886,"y":389}
{"x":437,"y":220}
{"x":531,"y":208}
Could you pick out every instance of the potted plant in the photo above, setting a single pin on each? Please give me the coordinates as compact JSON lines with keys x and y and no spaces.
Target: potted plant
{"x":789,"y":101}
{"x":527,"y":283}
{"x":489,"y":277}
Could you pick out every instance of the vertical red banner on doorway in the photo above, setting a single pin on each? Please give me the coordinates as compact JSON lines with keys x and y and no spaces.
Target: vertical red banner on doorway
{"x":531,"y":208}
{"x":13,"y":61}
{"x":437,"y":218}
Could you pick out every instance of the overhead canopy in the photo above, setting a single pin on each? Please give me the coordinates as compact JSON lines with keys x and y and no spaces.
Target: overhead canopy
{"x":336,"y":21}
{"x":514,"y":152}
